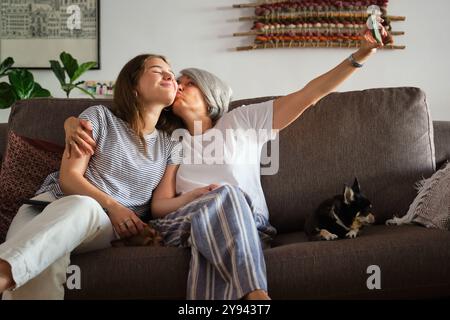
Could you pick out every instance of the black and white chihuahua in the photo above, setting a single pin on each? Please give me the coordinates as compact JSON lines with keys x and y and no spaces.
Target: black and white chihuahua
{"x":343,"y":216}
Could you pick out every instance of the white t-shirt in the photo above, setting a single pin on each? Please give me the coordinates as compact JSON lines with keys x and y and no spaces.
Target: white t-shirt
{"x":229,"y":153}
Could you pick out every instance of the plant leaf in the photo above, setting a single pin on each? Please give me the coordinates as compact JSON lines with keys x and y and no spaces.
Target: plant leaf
{"x":58,"y":71}
{"x":5,"y":66}
{"x":7,"y":95}
{"x":82,"y":69}
{"x":22,"y":82}
{"x":70,"y":64}
{"x":86,"y":92}
{"x":68,"y":88}
{"x":40,"y":92}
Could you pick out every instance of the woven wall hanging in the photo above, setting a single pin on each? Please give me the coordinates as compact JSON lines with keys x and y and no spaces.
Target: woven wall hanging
{"x":313,"y":23}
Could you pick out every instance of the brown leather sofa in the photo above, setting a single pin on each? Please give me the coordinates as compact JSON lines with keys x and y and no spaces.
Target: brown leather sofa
{"x":385,"y":137}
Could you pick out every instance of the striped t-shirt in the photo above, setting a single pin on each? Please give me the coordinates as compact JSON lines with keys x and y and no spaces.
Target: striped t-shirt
{"x":119,"y":167}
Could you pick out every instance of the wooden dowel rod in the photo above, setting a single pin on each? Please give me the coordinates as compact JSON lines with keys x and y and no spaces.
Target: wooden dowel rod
{"x":262,"y":33}
{"x":312,"y":45}
{"x":257,"y":4}
{"x":246,"y":5}
{"x":317,"y":15}
{"x":248,"y":48}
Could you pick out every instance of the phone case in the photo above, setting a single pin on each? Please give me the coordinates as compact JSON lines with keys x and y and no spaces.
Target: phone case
{"x":37,"y":203}
{"x":373,"y":22}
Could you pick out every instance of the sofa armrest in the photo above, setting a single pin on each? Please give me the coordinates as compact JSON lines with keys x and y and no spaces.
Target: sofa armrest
{"x":442,"y":141}
{"x":3,"y":139}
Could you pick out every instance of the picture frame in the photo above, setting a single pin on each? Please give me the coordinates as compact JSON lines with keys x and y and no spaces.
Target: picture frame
{"x":33,"y":32}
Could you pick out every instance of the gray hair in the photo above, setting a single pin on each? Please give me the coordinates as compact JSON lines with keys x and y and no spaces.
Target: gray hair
{"x":216,"y":92}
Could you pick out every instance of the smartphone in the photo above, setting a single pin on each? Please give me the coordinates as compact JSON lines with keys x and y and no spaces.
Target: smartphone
{"x":37,"y":203}
{"x":374,"y":28}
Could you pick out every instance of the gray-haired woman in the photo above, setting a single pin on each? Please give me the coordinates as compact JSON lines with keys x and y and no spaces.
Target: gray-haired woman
{"x":214,"y":201}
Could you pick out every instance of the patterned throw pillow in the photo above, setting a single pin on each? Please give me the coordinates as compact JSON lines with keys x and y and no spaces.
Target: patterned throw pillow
{"x":431,"y":207}
{"x":27,"y":163}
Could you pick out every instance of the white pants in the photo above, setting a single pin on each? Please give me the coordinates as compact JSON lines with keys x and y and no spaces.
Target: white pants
{"x":38,"y":245}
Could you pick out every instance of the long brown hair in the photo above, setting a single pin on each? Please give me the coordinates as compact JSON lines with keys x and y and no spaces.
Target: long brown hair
{"x":125,"y":102}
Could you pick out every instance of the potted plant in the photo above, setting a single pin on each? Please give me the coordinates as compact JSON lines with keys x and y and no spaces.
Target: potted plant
{"x":21,"y":85}
{"x":73,"y":70}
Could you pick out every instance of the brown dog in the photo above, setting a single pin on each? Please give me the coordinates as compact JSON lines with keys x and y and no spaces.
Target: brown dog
{"x":147,"y":237}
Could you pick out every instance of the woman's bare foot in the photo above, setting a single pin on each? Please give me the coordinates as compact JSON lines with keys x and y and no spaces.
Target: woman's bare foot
{"x":6,"y":279}
{"x":257,"y":295}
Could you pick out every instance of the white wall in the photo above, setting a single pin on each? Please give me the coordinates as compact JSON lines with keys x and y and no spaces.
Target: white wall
{"x":197,"y":33}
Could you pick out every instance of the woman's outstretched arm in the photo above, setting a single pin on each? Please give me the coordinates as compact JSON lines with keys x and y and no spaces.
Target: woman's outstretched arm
{"x":288,"y":108}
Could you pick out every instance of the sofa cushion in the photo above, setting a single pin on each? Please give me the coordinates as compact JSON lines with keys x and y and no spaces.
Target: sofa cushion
{"x":27,"y":163}
{"x":132,"y":273}
{"x":382,"y":136}
{"x":442,"y":141}
{"x":413,"y":261}
{"x":43,"y":118}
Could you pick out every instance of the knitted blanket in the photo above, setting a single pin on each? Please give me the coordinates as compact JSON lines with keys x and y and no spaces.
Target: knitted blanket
{"x":431,"y":207}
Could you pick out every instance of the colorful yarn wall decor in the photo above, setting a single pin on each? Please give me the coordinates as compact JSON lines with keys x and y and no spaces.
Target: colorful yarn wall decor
{"x":313,"y":23}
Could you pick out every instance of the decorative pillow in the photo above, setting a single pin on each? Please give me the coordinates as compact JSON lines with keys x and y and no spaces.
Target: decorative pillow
{"x":27,"y":163}
{"x":431,"y":207}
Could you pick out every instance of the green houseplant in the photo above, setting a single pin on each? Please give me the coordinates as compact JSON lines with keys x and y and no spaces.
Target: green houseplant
{"x":21,"y":85}
{"x":73,"y":70}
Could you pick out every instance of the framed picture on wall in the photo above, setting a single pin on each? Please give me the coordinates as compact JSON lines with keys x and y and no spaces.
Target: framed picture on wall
{"x":33,"y":32}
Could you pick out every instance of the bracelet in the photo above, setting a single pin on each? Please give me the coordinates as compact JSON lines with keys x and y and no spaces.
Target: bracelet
{"x":354,"y":62}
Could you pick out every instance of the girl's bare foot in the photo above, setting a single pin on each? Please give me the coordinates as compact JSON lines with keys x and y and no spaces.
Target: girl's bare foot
{"x":257,"y":295}
{"x":6,"y":279}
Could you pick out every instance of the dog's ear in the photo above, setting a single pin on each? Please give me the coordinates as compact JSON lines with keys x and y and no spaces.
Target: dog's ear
{"x":356,"y":188}
{"x":349,"y":195}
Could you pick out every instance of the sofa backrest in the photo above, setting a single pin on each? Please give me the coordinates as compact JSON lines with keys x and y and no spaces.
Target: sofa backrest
{"x":43,"y":118}
{"x":442,"y":142}
{"x":382,"y":136}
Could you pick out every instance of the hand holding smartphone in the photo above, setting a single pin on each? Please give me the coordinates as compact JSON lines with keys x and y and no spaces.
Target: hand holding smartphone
{"x":377,"y":31}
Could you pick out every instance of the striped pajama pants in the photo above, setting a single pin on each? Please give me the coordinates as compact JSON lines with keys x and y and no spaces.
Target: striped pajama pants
{"x":225,"y":235}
